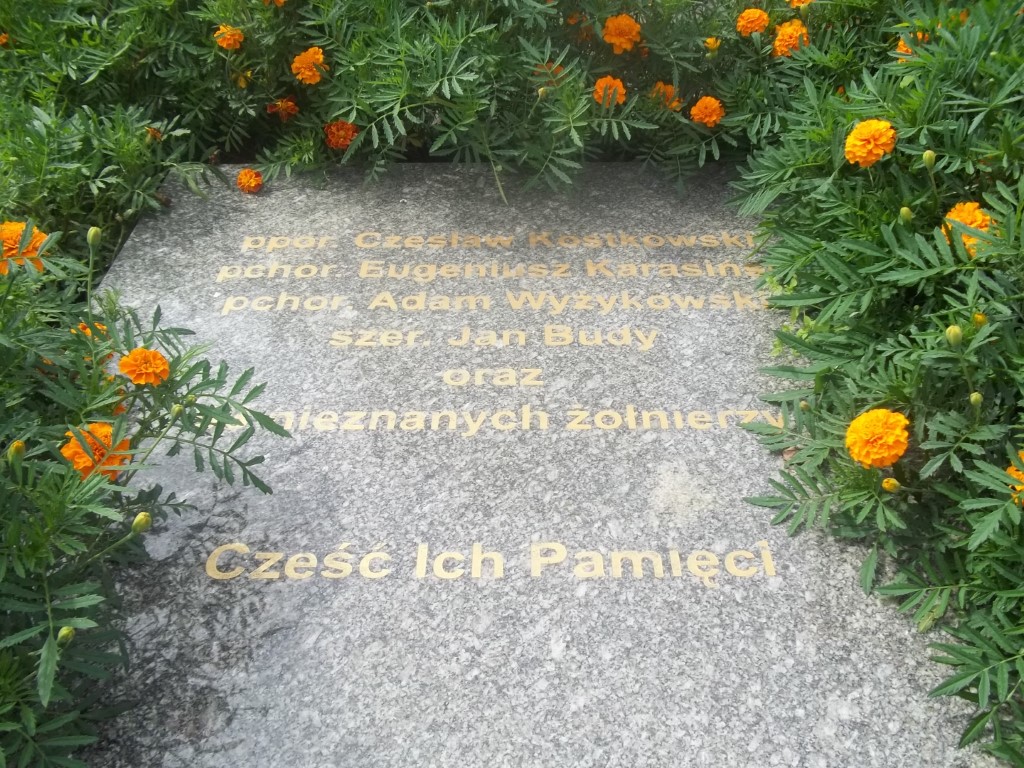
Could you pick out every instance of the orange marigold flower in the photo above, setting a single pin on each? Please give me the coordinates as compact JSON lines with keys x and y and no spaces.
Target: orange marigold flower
{"x":84,"y":329}
{"x":308,"y":65}
{"x":145,"y":366}
{"x":1017,"y":474}
{"x":752,"y":20}
{"x":712,"y":43}
{"x":249,"y":181}
{"x":609,"y":90}
{"x":340,"y":134}
{"x":4,"y":38}
{"x":799,"y":3}
{"x":228,"y":37}
{"x":877,"y":438}
{"x":96,"y":453}
{"x":621,"y":33}
{"x":278,"y":3}
{"x":708,"y":110}
{"x":152,"y":134}
{"x":971,"y":215}
{"x":869,"y":142}
{"x":285,"y":108}
{"x":905,"y":50}
{"x":11,"y":233}
{"x":788,"y":37}
{"x":666,"y":93}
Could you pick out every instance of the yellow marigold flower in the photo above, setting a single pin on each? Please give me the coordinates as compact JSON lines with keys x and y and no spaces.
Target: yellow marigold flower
{"x":340,"y":134}
{"x":708,"y":110}
{"x":228,"y":37}
{"x":307,"y":66}
{"x":750,"y":21}
{"x":621,"y":33}
{"x":891,"y":484}
{"x":609,"y":90}
{"x":869,"y":142}
{"x":145,"y":366}
{"x":249,"y":181}
{"x":10,"y":234}
{"x":788,"y":37}
{"x":799,"y":3}
{"x":877,"y":438}
{"x":666,"y":93}
{"x":243,"y":79}
{"x":979,"y":319}
{"x":971,"y":215}
{"x":96,"y":455}
{"x":15,"y":451}
{"x":1015,"y":473}
{"x":712,"y":43}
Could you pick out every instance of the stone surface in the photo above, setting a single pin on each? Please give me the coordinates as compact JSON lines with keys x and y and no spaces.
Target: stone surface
{"x":781,"y":663}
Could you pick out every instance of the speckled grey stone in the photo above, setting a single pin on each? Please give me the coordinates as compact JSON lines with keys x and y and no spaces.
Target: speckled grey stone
{"x":798,"y":668}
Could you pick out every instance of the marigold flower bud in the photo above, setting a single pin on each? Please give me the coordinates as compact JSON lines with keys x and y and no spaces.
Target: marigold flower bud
{"x":190,"y":399}
{"x":977,"y":399}
{"x":929,"y":159}
{"x":979,"y":319}
{"x":176,"y":410}
{"x":15,"y":451}
{"x":142,"y":522}
{"x":804,"y":405}
{"x":93,"y":236}
{"x":906,"y":215}
{"x":66,"y":635}
{"x":542,"y":92}
{"x":954,"y":335}
{"x":891,"y":484}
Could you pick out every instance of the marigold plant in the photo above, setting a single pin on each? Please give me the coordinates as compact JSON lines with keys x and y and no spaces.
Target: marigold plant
{"x":621,"y":32}
{"x":339,"y":134}
{"x":877,"y":438}
{"x":666,"y":94}
{"x":971,"y":215}
{"x":285,"y":108}
{"x":752,"y":20}
{"x":1017,"y":474}
{"x":609,"y":90}
{"x":708,"y":110}
{"x":96,"y":454}
{"x":145,"y":366}
{"x":869,"y":142}
{"x":11,"y":234}
{"x":788,"y":37}
{"x":228,"y":37}
{"x":308,"y":65}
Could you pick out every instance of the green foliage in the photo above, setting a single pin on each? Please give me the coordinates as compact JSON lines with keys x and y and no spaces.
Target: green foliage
{"x":64,"y":523}
{"x":917,"y":315}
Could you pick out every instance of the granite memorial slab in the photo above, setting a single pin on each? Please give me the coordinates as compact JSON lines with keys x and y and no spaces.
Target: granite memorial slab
{"x":509,"y":527}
